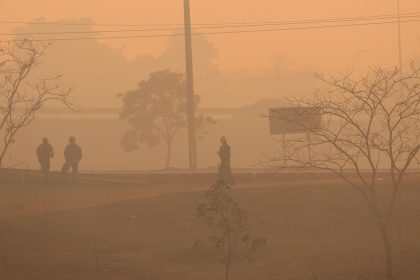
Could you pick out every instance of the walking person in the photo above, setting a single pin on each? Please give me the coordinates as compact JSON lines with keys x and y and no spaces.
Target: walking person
{"x":72,"y":156}
{"x":44,"y":153}
{"x":225,"y":173}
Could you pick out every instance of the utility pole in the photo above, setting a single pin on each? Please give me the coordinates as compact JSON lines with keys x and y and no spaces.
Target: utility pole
{"x":399,"y":229}
{"x":190,"y":88}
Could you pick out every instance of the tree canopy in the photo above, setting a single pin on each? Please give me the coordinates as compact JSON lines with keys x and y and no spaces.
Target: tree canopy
{"x":156,"y":111}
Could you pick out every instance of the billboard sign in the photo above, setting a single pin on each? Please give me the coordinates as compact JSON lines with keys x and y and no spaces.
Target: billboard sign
{"x":287,"y":120}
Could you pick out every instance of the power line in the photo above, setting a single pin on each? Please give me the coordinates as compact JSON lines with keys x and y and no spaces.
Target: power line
{"x":78,"y":24}
{"x":209,"y":24}
{"x":213,"y":33}
{"x":414,"y":16}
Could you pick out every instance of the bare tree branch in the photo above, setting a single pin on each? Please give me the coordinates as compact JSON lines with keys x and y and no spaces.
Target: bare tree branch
{"x":21,"y":95}
{"x":369,"y":123}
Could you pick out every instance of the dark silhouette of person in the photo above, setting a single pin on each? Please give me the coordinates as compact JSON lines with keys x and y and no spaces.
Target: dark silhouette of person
{"x":225,"y":173}
{"x":72,"y":156}
{"x":45,"y":152}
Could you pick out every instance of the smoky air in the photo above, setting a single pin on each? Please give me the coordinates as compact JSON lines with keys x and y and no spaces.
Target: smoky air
{"x":206,"y":140}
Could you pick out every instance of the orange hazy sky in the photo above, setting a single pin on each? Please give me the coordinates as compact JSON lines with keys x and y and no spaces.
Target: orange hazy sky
{"x":323,"y":50}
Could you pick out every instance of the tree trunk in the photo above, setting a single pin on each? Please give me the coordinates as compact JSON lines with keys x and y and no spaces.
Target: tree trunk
{"x":168,"y":154}
{"x":2,"y":155}
{"x":229,"y":258}
{"x":227,"y":270}
{"x":389,"y":257}
{"x":6,"y":147}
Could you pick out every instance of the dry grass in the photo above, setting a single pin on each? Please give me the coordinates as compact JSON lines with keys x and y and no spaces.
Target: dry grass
{"x":313,"y":227}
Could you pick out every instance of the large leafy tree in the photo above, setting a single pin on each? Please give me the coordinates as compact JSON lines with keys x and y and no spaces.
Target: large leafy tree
{"x":156,"y":111}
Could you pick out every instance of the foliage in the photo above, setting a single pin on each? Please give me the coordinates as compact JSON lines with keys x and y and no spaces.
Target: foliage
{"x":232,"y":237}
{"x":156,"y":111}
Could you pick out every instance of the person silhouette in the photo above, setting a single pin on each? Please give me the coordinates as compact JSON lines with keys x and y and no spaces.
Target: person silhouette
{"x":225,"y":172}
{"x":72,"y":156}
{"x":44,"y":153}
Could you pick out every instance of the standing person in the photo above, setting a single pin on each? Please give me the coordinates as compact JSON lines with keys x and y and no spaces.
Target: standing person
{"x":44,"y":153}
{"x":225,"y":173}
{"x":72,"y":156}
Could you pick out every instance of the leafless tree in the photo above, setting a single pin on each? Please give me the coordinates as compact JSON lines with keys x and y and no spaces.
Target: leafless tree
{"x":21,"y":94}
{"x":370,"y":125}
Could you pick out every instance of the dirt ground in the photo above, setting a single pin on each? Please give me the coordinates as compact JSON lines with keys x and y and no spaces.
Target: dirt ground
{"x":78,"y":231}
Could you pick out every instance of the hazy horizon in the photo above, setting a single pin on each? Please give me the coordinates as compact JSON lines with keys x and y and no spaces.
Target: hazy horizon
{"x":267,"y":65}
{"x":379,"y":41}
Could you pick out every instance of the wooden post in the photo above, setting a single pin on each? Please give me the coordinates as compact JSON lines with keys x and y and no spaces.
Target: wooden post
{"x":309,"y":148}
{"x":284,"y":148}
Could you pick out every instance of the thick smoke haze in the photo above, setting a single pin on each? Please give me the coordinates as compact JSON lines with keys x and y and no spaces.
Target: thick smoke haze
{"x":207,"y":140}
{"x":244,"y":51}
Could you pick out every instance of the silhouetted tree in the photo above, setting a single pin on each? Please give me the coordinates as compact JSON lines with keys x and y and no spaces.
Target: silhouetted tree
{"x":21,"y":95}
{"x":101,"y":69}
{"x":210,"y":81}
{"x":369,"y":125}
{"x":232,"y":236}
{"x":156,"y":111}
